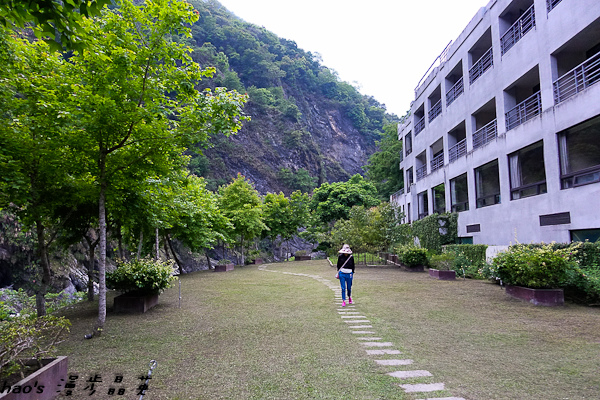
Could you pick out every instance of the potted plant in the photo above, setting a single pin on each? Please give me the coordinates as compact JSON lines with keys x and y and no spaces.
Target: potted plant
{"x":27,"y":366}
{"x":441,"y":267}
{"x":301,"y":255}
{"x":534,"y":273}
{"x":141,"y":281}
{"x":413,"y":259}
{"x":224,"y":265}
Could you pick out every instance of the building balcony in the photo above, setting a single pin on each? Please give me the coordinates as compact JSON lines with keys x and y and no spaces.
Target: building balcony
{"x":419,"y":126}
{"x":421,"y":172}
{"x":454,"y":92}
{"x":437,"y":162}
{"x":435,"y":111}
{"x":524,"y":111}
{"x":483,"y":64}
{"x":457,"y":151}
{"x":485,"y":135}
{"x":550,"y":4}
{"x":578,"y":79}
{"x":395,"y":198}
{"x":519,"y":29}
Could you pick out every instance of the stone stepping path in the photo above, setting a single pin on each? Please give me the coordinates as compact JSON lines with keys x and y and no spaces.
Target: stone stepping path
{"x":349,"y":315}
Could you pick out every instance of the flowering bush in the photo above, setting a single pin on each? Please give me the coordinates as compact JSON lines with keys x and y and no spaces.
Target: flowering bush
{"x":143,"y":276}
{"x":534,"y":267}
{"x":413,"y":256}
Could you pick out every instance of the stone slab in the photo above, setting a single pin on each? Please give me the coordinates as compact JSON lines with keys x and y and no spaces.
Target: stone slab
{"x":409,"y":374}
{"x":353,"y":316}
{"x":360,"y":326}
{"x":443,"y":398}
{"x":381,"y":352}
{"x":364,"y":332}
{"x":422,"y":387}
{"x":358,"y":321}
{"x":394,"y":362}
{"x":369,"y":338}
{"x":377,"y":344}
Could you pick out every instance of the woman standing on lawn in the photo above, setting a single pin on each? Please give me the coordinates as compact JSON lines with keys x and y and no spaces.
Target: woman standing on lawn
{"x":345,"y":266}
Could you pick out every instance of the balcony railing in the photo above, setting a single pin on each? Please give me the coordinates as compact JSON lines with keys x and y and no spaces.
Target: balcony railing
{"x":485,"y":135}
{"x":458,"y":150}
{"x":488,"y":200}
{"x":454,"y":92}
{"x":437,"y":162}
{"x":435,"y":110}
{"x":396,"y":196}
{"x":419,"y":126}
{"x":421,"y":172}
{"x":524,"y":111}
{"x":578,"y":79}
{"x":518,"y":30}
{"x":550,"y":4}
{"x":483,"y":64}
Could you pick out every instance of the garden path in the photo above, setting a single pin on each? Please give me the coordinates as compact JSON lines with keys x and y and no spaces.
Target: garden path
{"x":357,"y":321}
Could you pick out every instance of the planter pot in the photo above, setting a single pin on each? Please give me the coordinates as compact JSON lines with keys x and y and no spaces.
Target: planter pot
{"x":416,"y":268}
{"x":442,"y":275}
{"x":302,"y":258}
{"x":41,"y":385}
{"x":394,"y":258}
{"x":135,"y":303}
{"x":539,"y":297}
{"x":224,"y":267}
{"x":257,"y":261}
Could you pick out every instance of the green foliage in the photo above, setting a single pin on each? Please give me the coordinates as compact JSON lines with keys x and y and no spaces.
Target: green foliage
{"x":443,"y":262}
{"x":332,"y":202}
{"x":57,"y":22}
{"x":29,"y":338}
{"x":18,"y":302}
{"x":223,"y":261}
{"x":436,"y":230}
{"x":300,"y":180}
{"x":534,"y":267}
{"x":143,"y":276}
{"x":412,"y":256}
{"x":382,"y":167}
{"x":469,"y":260}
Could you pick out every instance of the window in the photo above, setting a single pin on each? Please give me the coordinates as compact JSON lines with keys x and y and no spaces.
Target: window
{"x":408,"y":143}
{"x":580,"y":154}
{"x":438,"y":194}
{"x":581,"y":235}
{"x":409,"y":179}
{"x":423,"y":204}
{"x":487,"y":184}
{"x":527,"y":173}
{"x":459,"y":193}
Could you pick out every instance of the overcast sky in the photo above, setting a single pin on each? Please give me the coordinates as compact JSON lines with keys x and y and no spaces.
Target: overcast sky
{"x":383,"y":47}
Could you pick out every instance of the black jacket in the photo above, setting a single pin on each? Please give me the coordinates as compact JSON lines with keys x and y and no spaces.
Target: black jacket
{"x":342,"y":259}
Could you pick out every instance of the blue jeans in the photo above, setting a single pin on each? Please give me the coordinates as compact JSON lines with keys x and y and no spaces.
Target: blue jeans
{"x":346,"y":282}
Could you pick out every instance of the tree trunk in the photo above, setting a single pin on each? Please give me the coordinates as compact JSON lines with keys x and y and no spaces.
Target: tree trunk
{"x":157,"y":245}
{"x":175,"y":255}
{"x":139,"y":250}
{"x":40,"y":295}
{"x":102,"y":258}
{"x":120,"y":239}
{"x":91,"y":259}
{"x":207,"y":258}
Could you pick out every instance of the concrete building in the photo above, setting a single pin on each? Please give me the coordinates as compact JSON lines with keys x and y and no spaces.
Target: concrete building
{"x":505,"y":129}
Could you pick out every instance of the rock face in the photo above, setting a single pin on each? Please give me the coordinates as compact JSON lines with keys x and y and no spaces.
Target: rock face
{"x":323,"y":142}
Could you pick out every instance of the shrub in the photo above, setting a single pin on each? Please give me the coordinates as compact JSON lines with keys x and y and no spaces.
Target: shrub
{"x":413,"y":256}
{"x":18,"y":302}
{"x":224,"y":261}
{"x":534,"y":267}
{"x":300,"y":253}
{"x":436,"y":230}
{"x":143,"y":276}
{"x":443,"y":262}
{"x":29,"y":338}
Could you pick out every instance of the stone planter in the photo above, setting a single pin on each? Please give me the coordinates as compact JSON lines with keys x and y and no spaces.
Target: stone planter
{"x":539,"y":297}
{"x":223,"y":267}
{"x":257,"y":261}
{"x":416,"y":268}
{"x":41,"y":385}
{"x":442,"y":275}
{"x":135,"y":303}
{"x":302,"y":258}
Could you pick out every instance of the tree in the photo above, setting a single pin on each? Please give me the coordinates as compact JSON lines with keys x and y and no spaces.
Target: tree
{"x":35,"y":166}
{"x":57,"y":21}
{"x":277,"y":215}
{"x":241,"y":204}
{"x":332,"y":202}
{"x":383,"y":168}
{"x":138,"y":103}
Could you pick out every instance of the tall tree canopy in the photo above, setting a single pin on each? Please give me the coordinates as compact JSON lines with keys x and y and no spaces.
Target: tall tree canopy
{"x":383,"y":168}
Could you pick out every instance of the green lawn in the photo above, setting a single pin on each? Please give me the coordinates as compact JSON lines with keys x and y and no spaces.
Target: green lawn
{"x":251,"y":334}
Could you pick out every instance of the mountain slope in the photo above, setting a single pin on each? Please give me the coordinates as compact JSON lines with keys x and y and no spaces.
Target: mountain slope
{"x":307,"y":126}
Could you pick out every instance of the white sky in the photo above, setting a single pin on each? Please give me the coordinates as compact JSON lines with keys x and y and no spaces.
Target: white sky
{"x":383,"y":47}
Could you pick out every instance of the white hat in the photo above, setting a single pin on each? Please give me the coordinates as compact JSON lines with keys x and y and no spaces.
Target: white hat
{"x":345,"y":249}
